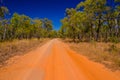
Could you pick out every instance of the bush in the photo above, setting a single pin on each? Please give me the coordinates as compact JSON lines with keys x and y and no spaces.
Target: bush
{"x":114,"y":39}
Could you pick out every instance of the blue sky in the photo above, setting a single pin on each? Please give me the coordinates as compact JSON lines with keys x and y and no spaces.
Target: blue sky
{"x":51,"y":9}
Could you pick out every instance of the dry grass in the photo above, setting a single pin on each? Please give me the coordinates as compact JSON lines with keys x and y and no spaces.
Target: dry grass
{"x":105,"y":53}
{"x":17,"y":47}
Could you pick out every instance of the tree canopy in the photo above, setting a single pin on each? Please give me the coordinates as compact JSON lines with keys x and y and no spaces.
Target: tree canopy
{"x":24,"y":27}
{"x":92,"y":20}
{"x":89,"y":20}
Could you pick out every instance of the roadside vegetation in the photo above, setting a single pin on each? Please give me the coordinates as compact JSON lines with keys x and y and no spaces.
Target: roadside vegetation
{"x":16,"y":47}
{"x":92,"y":20}
{"x":21,"y":26}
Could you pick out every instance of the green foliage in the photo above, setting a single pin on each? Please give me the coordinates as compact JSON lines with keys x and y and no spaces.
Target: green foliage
{"x":23,"y":27}
{"x":114,"y":39}
{"x":3,"y":11}
{"x":92,"y":20}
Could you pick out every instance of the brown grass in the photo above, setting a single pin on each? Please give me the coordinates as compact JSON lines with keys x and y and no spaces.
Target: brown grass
{"x":17,"y":47}
{"x":105,"y":53}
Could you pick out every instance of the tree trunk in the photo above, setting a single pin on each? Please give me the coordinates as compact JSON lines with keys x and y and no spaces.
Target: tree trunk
{"x":98,"y":30}
{"x":4,"y":34}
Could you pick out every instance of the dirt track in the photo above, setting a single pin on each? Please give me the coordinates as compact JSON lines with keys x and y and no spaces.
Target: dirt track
{"x":55,"y":61}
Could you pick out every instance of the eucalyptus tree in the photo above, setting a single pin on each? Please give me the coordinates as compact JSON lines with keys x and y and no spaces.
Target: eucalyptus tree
{"x":38,"y":30}
{"x":3,"y":11}
{"x":47,"y":26}
{"x":64,"y":30}
{"x":69,"y":24}
{"x":117,"y":13}
{"x":3,"y":26}
{"x":94,"y":10}
{"x":20,"y":26}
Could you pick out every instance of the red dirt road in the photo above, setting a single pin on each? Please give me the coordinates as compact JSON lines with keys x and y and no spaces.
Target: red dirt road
{"x":55,"y":61}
